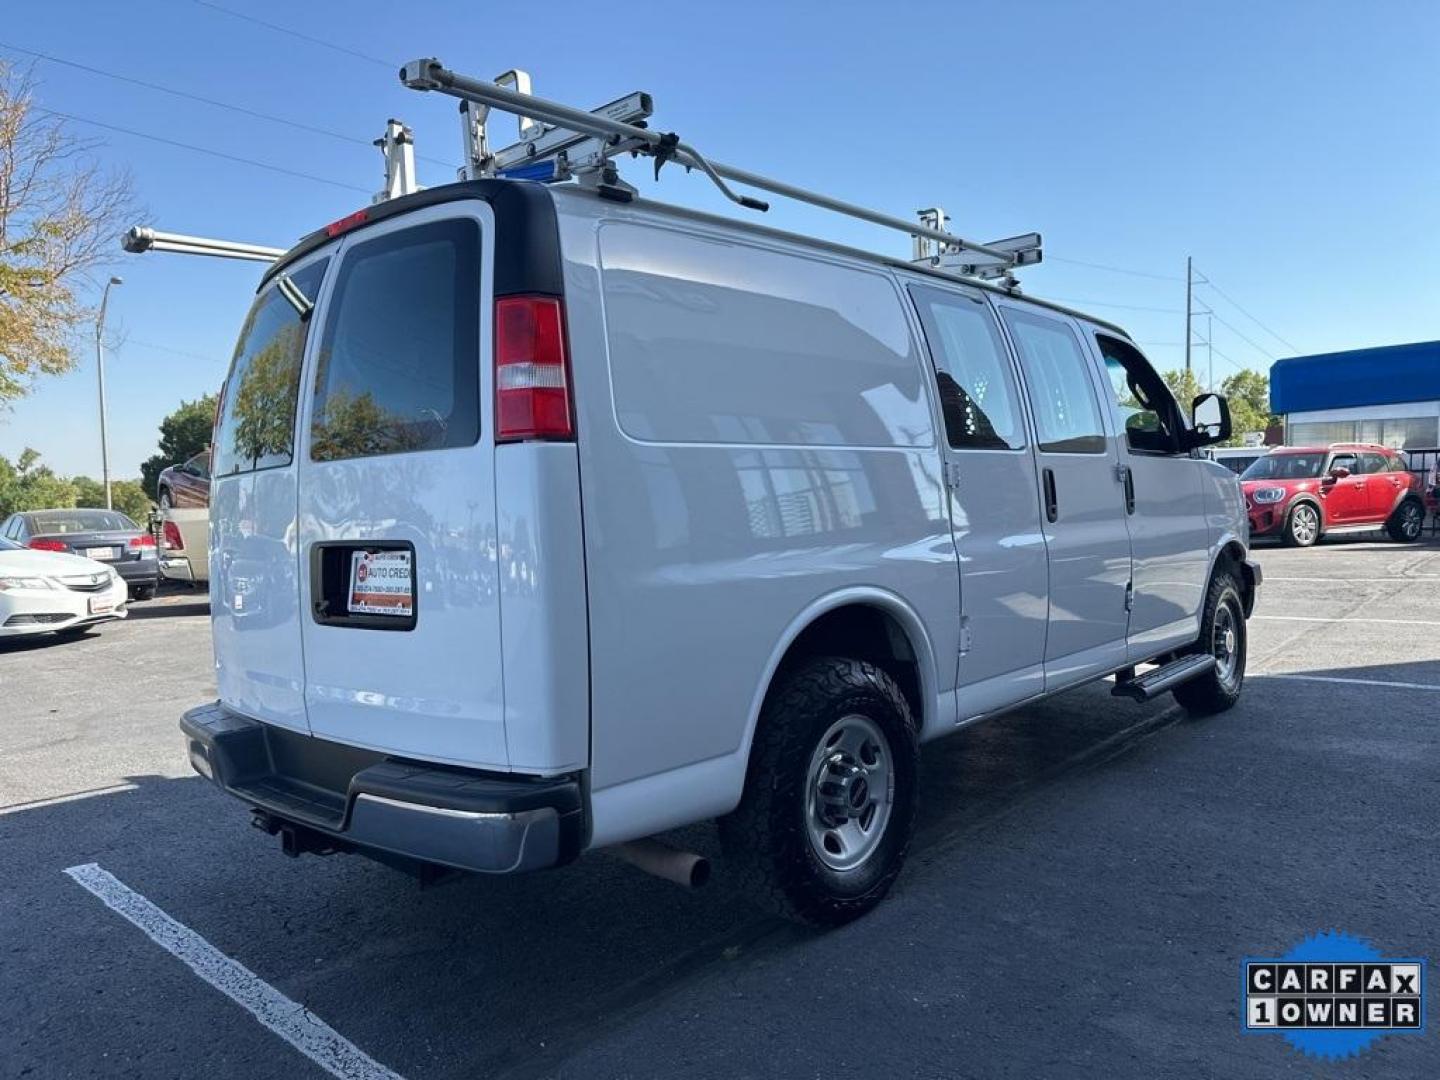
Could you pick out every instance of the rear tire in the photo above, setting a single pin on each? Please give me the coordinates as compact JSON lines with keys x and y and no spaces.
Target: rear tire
{"x":1302,"y":525}
{"x":1407,"y":522}
{"x":812,"y":840}
{"x":1223,"y":635}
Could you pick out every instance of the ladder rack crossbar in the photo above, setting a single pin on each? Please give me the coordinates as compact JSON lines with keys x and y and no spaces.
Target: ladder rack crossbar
{"x":430,"y":74}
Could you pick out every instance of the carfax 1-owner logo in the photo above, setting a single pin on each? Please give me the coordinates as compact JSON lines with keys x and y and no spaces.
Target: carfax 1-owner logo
{"x":1333,"y":995}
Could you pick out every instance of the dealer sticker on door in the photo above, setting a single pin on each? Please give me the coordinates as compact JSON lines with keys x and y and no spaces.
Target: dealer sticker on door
{"x":381,"y":583}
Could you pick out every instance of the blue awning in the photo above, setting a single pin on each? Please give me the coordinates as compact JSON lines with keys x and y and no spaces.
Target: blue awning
{"x":1388,"y":375}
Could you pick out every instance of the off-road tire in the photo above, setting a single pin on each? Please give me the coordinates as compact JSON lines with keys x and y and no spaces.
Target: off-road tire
{"x":1303,"y":540}
{"x":1407,"y":521}
{"x":1213,"y":692}
{"x":766,"y":838}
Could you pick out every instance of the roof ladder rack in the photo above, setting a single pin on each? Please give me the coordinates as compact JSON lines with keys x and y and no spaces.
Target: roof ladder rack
{"x":558,"y":142}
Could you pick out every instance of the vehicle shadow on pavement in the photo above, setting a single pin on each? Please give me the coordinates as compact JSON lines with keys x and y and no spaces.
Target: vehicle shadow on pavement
{"x":172,"y":608}
{"x":481,"y":976}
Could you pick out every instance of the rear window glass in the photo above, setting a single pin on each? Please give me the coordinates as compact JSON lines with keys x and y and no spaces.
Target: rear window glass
{"x":400,"y":360}
{"x":720,"y":342}
{"x":256,"y":429}
{"x":75,"y":521}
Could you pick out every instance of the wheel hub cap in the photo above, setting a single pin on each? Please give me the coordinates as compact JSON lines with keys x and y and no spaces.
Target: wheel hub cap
{"x":850,"y":792}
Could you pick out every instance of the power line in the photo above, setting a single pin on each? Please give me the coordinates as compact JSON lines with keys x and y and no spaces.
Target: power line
{"x":1104,"y":266}
{"x":1233,"y":303}
{"x":202,"y":150}
{"x":1249,"y":341}
{"x":241,"y":109}
{"x":1122,"y":307}
{"x":393,"y":67}
{"x":167,"y":349}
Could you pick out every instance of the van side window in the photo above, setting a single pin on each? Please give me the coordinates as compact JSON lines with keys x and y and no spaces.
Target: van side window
{"x":399,"y":363}
{"x":1062,"y":394}
{"x":256,"y":425}
{"x":1141,"y":398}
{"x":977,"y":389}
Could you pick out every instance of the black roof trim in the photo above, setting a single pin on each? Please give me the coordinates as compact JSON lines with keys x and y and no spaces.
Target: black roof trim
{"x":527,"y":241}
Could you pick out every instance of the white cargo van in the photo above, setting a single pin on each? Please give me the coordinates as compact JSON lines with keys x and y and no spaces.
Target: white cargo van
{"x":544,"y":521}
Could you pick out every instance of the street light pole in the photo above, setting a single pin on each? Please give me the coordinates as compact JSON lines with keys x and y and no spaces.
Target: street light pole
{"x":100,"y":367}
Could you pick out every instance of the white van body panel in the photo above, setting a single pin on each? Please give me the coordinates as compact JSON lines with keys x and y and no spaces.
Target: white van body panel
{"x":255,"y":607}
{"x":434,"y":692}
{"x":709,"y":533}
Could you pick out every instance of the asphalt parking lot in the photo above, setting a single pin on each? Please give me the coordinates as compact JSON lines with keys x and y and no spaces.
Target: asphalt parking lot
{"x":1088,"y":875}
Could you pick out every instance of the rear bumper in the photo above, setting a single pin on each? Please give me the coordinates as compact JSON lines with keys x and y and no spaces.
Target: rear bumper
{"x":138,"y":571}
{"x":176,"y":568}
{"x":384,"y":807}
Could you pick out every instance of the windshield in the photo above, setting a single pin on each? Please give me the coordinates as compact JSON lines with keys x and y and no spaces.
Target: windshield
{"x":1285,"y":467}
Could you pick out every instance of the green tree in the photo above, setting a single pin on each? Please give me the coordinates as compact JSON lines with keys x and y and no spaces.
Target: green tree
{"x":183,"y":434}
{"x":1247,"y":392}
{"x":59,"y":216}
{"x":127,"y":496}
{"x":28,"y":485}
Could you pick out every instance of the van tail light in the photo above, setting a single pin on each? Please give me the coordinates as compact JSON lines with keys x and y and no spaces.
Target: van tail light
{"x":172,"y":537}
{"x":48,"y":545}
{"x":532,"y":377}
{"x":144,"y":540}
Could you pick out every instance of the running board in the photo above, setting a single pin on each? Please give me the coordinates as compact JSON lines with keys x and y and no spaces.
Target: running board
{"x":1166,"y":677}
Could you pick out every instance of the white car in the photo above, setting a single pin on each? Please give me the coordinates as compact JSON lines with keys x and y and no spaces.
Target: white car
{"x":46,"y":591}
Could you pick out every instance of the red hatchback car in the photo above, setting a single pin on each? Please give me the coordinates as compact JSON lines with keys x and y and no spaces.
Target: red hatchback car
{"x":1303,"y":493}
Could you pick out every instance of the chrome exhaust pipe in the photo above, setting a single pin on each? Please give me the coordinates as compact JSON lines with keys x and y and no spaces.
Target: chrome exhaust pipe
{"x":684,"y":868}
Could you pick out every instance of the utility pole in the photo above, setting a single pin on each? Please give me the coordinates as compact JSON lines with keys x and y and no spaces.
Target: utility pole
{"x":1187,"y":314}
{"x":100,"y":367}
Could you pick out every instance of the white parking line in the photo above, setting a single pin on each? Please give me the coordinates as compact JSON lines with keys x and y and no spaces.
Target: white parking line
{"x":1354,"y":580}
{"x":56,"y":800}
{"x":1348,"y":619}
{"x":288,"y":1019}
{"x":1348,"y":682}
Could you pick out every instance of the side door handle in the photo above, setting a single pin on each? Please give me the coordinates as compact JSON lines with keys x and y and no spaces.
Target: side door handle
{"x":1126,"y":476}
{"x":1052,"y":506}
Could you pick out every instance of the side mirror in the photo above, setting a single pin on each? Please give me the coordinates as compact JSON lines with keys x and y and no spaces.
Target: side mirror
{"x":1339,"y":472}
{"x":1209,"y":420}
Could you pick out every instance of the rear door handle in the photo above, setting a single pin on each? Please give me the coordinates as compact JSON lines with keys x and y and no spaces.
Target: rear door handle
{"x":1052,"y":506}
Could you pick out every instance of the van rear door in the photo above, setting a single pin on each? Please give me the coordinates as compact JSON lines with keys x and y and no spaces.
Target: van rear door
{"x":398,"y":560}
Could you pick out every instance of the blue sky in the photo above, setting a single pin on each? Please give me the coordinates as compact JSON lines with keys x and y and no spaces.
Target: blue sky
{"x":1292,"y":148}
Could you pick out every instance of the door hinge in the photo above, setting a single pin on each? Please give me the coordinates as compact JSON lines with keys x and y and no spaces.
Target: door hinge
{"x":952,"y":475}
{"x":966,"y":639}
{"x":1130,"y":596}
{"x":1122,"y":473}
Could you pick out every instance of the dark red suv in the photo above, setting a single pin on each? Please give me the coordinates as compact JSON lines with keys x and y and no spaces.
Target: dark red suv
{"x":1303,"y":493}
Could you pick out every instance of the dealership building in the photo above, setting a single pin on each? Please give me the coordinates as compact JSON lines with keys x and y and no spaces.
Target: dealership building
{"x":1388,"y":395}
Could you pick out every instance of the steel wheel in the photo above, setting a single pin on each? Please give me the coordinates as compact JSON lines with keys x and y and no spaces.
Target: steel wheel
{"x":1227,"y":643}
{"x":1304,"y":525}
{"x":850,"y":791}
